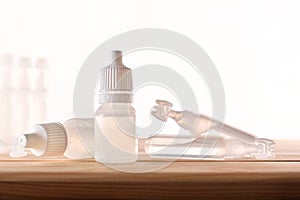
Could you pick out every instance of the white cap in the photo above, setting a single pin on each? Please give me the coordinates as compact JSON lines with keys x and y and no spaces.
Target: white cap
{"x":115,"y":81}
{"x":46,"y":140}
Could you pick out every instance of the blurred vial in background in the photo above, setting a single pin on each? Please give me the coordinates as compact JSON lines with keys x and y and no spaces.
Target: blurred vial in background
{"x":22,"y":97}
{"x":39,"y":92}
{"x":6,"y":92}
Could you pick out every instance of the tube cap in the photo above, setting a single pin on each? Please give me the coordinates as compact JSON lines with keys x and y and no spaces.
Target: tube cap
{"x":47,"y":140}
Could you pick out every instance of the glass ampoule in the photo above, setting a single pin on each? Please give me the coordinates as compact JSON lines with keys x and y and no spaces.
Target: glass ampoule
{"x":170,"y":147}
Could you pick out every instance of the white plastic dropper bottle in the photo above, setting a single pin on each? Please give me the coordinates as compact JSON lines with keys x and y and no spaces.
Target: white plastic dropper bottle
{"x":115,"y":129}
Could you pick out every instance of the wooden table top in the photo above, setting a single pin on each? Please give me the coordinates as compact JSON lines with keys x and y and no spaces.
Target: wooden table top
{"x":85,"y":179}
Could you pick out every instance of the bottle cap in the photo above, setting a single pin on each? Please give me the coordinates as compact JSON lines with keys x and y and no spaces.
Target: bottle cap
{"x":46,"y":140}
{"x":115,"y":81}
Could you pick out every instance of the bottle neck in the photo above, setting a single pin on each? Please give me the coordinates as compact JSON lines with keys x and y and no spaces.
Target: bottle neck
{"x":116,"y":58}
{"x":115,"y":97}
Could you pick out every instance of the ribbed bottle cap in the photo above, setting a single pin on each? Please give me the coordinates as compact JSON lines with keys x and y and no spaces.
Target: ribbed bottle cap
{"x":116,"y":80}
{"x":47,"y":140}
{"x":116,"y":76}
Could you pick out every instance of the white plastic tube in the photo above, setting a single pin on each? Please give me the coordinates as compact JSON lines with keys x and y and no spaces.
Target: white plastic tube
{"x":74,"y":139}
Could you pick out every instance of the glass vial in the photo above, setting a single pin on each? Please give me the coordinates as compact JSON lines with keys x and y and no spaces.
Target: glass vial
{"x":6,"y":97}
{"x":22,"y":97}
{"x":166,"y":147}
{"x":39,"y":92}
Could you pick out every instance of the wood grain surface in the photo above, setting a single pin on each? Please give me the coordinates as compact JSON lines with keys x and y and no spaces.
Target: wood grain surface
{"x":86,"y":179}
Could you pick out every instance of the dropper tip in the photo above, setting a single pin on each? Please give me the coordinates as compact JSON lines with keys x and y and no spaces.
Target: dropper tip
{"x":116,"y":56}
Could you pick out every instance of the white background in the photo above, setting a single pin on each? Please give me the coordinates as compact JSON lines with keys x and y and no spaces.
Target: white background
{"x":255,"y":46}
